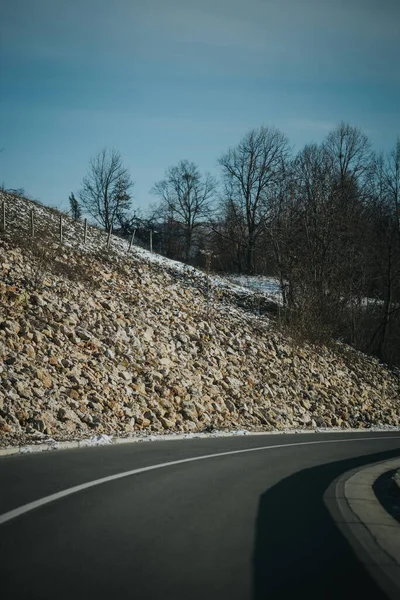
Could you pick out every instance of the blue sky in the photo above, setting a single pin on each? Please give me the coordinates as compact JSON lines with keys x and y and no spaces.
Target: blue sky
{"x":163,"y":80}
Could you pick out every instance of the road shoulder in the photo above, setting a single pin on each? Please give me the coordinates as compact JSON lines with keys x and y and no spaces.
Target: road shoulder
{"x":372,"y":532}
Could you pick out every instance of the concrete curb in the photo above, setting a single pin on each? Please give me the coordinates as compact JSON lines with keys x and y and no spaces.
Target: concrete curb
{"x":371,"y":531}
{"x":95,"y":441}
{"x":396,"y":480}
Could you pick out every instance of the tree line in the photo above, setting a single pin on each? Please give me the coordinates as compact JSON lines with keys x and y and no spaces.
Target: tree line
{"x":325,"y":221}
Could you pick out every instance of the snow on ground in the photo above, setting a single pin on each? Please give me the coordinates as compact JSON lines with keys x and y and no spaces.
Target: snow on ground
{"x":105,"y":440}
{"x":98,"y":440}
{"x":258,"y":284}
{"x":48,"y":220}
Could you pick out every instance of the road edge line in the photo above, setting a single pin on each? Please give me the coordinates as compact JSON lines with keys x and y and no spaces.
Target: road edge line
{"x":25,"y":508}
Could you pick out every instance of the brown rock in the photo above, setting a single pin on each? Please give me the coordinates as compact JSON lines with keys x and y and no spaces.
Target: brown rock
{"x":143,"y":422}
{"x":166,"y":423}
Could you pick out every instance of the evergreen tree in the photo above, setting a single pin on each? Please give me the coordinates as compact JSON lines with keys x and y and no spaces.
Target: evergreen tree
{"x":76,"y":211}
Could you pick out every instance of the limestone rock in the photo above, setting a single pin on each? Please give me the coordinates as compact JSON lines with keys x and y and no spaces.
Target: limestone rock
{"x":140,"y":349}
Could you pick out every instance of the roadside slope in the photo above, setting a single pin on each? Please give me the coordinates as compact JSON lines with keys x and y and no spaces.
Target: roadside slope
{"x":95,"y":342}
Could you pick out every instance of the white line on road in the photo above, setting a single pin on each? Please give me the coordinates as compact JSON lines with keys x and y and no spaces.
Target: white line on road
{"x":21,"y":510}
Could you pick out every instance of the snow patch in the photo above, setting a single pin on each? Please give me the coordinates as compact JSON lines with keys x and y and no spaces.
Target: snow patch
{"x":18,"y":213}
{"x":98,"y":440}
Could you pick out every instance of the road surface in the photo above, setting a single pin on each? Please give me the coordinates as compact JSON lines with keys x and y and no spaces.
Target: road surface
{"x":250,"y":523}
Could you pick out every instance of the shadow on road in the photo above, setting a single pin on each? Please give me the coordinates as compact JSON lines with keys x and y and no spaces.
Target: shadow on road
{"x":305,"y":555}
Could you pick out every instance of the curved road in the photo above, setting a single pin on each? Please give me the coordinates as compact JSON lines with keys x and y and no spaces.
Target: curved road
{"x":250,"y":523}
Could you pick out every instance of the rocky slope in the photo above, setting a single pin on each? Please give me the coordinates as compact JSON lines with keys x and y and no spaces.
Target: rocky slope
{"x":101,"y":342}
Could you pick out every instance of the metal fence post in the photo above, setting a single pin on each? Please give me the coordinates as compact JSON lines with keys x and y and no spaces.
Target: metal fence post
{"x":3,"y":215}
{"x":131,"y":241}
{"x":32,"y":221}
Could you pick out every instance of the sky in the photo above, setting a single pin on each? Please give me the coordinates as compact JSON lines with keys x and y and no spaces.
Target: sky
{"x":165,"y":80}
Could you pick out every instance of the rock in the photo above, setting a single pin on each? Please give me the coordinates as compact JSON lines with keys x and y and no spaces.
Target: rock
{"x":125,"y":375}
{"x":29,"y":351}
{"x":67,"y":414}
{"x":38,"y":337}
{"x":233,"y":382}
{"x":136,"y":351}
{"x":36,"y":300}
{"x":148,"y":334}
{"x":22,"y":415}
{"x":23,"y":389}
{"x":4,"y":426}
{"x":230,"y":406}
{"x":44,"y":378}
{"x":83,"y":334}
{"x":110,"y":354}
{"x":189,"y":411}
{"x":166,"y":423}
{"x":67,"y":364}
{"x":10,"y":361}
{"x":305,"y":419}
{"x":143,"y":422}
{"x":166,"y":362}
{"x":11,"y":326}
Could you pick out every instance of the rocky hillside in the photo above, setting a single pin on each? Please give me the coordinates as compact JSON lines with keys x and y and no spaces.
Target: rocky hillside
{"x":95,"y":341}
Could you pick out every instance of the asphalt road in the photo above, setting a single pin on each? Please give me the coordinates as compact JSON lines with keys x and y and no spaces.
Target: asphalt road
{"x":248,"y":525}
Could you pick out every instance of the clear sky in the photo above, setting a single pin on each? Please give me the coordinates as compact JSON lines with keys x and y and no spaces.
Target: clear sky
{"x":164,"y":80}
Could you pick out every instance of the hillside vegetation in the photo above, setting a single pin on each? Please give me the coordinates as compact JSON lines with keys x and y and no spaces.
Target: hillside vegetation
{"x":95,"y":341}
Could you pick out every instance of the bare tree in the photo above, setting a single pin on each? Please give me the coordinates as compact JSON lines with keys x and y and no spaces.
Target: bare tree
{"x":105,"y":193}
{"x":186,"y":198}
{"x":384,"y":254}
{"x":250,"y":170}
{"x":392,"y":180}
{"x":316,"y":231}
{"x":349,"y":151}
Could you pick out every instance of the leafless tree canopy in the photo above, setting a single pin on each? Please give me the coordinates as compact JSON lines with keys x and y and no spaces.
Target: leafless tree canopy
{"x":250,"y":172}
{"x":185,"y":198}
{"x":392,"y":182}
{"x":349,"y":150}
{"x":105,"y":193}
{"x":326,"y":223}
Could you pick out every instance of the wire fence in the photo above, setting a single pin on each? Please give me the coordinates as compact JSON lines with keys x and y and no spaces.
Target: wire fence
{"x":29,"y":218}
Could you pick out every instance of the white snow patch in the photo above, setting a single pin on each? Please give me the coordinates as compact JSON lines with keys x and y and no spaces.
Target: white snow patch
{"x":259,"y":284}
{"x":18,"y":216}
{"x":102,"y":440}
{"x":98,"y":440}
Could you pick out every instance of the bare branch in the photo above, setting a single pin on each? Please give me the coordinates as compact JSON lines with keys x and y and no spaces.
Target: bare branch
{"x":105,"y":193}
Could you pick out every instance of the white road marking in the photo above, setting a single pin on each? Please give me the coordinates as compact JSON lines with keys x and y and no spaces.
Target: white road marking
{"x":21,"y":510}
